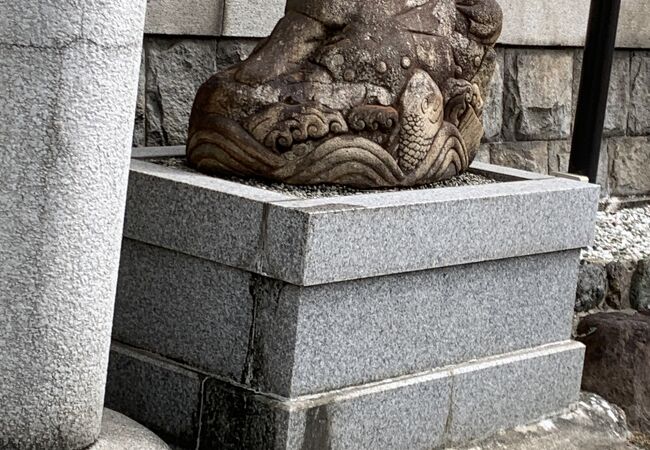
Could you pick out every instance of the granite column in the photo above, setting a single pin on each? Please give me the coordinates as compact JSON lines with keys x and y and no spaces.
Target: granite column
{"x":68,"y":78}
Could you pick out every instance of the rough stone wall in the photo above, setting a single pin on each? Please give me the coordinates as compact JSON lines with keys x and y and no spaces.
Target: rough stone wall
{"x":531,"y":110}
{"x":528,"y":117}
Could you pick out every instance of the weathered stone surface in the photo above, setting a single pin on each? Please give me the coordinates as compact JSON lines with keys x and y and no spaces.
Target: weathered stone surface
{"x":559,"y":153}
{"x":68,"y":79}
{"x":592,"y":424}
{"x":180,"y":17}
{"x":559,"y":23}
{"x":483,"y":154}
{"x":175,"y":70}
{"x":618,"y":100}
{"x":139,"y":130}
{"x":617,"y":362}
{"x":121,"y":433}
{"x":493,"y":109}
{"x":195,"y":214}
{"x":619,"y":283}
{"x":234,"y":51}
{"x":393,"y":99}
{"x":640,"y":290}
{"x":592,"y":286}
{"x":538,"y":94}
{"x":305,"y":240}
{"x":419,"y":412}
{"x":187,"y":309}
{"x":548,"y":23}
{"x":602,"y":178}
{"x":160,"y":395}
{"x":531,"y":156}
{"x":308,"y":340}
{"x":629,"y":160}
{"x":639,"y":118}
{"x":251,"y":18}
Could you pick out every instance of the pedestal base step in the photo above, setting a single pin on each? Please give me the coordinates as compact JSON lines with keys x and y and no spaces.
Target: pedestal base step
{"x":428,"y":410}
{"x":121,"y":433}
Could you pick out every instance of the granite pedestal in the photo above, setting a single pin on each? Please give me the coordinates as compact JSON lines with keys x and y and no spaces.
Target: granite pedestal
{"x":249,"y":318}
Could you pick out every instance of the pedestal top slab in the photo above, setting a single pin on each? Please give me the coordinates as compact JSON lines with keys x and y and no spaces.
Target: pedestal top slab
{"x":324,"y":240}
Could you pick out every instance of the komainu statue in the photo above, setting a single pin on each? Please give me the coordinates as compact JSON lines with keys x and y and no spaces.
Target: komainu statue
{"x":364,"y":93}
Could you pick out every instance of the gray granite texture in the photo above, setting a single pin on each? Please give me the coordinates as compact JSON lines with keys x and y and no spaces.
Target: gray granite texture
{"x":639,"y":119}
{"x":419,"y":411}
{"x":189,"y":309}
{"x":251,"y":18}
{"x":180,"y":17}
{"x":165,"y":398}
{"x":618,"y":100}
{"x":493,"y":109}
{"x":549,"y":23}
{"x":121,"y":433}
{"x":319,"y":241}
{"x":68,"y":83}
{"x":291,"y":340}
{"x":630,"y":159}
{"x":530,"y":155}
{"x":174,"y":71}
{"x":538,"y":100}
{"x":558,"y":23}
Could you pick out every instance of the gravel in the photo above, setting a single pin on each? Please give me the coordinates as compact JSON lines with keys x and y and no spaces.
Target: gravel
{"x":621,"y":235}
{"x":323,"y":190}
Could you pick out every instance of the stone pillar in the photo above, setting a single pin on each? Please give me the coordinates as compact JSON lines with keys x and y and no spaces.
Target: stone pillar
{"x":68,"y":77}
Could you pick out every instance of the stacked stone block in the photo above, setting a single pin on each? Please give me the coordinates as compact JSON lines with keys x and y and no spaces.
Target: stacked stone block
{"x":248,"y":318}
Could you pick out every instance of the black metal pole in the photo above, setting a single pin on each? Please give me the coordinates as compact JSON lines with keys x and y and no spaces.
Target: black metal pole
{"x":594,"y":88}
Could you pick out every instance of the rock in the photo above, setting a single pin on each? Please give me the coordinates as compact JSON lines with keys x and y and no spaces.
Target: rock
{"x":630,"y":159}
{"x":538,"y":94}
{"x":618,"y":99}
{"x":594,"y":423}
{"x":531,"y":156}
{"x":639,"y":118}
{"x":493,"y":108}
{"x":559,"y":153}
{"x":640,"y":290}
{"x":617,"y":362}
{"x":175,"y":70}
{"x":592,"y":285}
{"x":483,"y":154}
{"x":139,"y":137}
{"x":619,"y":282}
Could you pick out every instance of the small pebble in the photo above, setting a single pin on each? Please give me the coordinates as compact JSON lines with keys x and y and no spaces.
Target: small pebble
{"x":325,"y":190}
{"x":624,"y":234}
